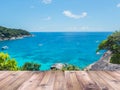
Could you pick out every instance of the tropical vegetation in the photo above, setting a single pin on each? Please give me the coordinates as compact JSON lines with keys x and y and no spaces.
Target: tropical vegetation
{"x":31,"y":66}
{"x":10,"y":32}
{"x":9,"y":64}
{"x":6,"y":63}
{"x":70,"y":67}
{"x":112,"y":43}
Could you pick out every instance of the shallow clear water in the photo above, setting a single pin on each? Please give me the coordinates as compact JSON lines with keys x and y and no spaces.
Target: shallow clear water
{"x":49,"y":48}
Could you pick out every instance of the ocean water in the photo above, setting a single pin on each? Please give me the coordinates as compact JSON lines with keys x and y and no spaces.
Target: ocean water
{"x":47,"y":48}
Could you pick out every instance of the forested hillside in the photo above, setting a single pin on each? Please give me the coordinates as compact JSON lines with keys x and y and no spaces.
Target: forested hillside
{"x":9,"y":33}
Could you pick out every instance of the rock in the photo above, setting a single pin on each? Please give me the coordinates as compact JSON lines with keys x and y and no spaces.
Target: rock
{"x":12,"y":38}
{"x":4,"y":39}
{"x":4,"y":47}
{"x":58,"y":66}
{"x":98,"y":53}
{"x":20,"y":37}
{"x":1,"y":39}
{"x":104,"y":64}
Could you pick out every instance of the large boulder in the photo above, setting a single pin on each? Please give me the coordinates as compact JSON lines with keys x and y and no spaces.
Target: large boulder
{"x":58,"y":66}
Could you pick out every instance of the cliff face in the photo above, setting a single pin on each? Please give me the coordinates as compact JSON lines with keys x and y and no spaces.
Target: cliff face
{"x":11,"y":34}
{"x":103,"y":64}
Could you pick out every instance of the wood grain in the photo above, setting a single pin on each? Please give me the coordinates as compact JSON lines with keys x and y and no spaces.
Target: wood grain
{"x":59,"y":80}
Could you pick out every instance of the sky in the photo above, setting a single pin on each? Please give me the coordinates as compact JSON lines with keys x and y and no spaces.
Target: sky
{"x":61,"y":15}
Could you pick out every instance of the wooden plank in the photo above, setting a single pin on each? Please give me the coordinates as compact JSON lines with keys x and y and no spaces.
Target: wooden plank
{"x":109,"y":79}
{"x":7,"y":79}
{"x":33,"y":83}
{"x":43,"y":84}
{"x":4,"y":75}
{"x":102,"y":83}
{"x":58,"y":80}
{"x":50,"y":84}
{"x":17,"y":82}
{"x":13,"y":78}
{"x":86,"y":82}
{"x":27,"y":84}
{"x":60,"y":83}
{"x":117,"y":72}
{"x":75,"y":82}
{"x":68,"y":80}
{"x":1,"y":72}
{"x":114,"y":74}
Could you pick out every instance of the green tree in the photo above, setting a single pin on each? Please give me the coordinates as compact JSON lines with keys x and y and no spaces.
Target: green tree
{"x":31,"y":66}
{"x":6,"y":63}
{"x":10,"y":32}
{"x":70,"y":68}
{"x":102,"y":45}
{"x":112,"y":43}
{"x":115,"y":59}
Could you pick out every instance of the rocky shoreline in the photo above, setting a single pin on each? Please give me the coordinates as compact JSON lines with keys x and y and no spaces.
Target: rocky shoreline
{"x":15,"y":38}
{"x":103,"y":64}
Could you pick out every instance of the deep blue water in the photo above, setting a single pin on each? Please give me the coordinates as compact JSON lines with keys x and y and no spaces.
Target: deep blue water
{"x":49,"y":48}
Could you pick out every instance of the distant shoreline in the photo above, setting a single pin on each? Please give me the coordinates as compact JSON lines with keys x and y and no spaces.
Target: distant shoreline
{"x":13,"y":34}
{"x":15,"y":38}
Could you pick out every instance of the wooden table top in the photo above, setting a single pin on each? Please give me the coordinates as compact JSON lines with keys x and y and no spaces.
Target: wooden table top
{"x":58,"y":80}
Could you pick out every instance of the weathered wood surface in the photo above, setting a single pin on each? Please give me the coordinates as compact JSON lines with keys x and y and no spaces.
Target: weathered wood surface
{"x":58,"y":80}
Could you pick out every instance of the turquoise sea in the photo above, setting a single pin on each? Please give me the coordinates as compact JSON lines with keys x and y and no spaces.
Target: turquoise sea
{"x":47,"y":48}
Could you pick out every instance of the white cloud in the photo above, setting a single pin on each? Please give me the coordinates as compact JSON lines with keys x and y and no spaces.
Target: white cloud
{"x":71,"y":15}
{"x":46,"y":1}
{"x":118,"y":5}
{"x":48,"y":18}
